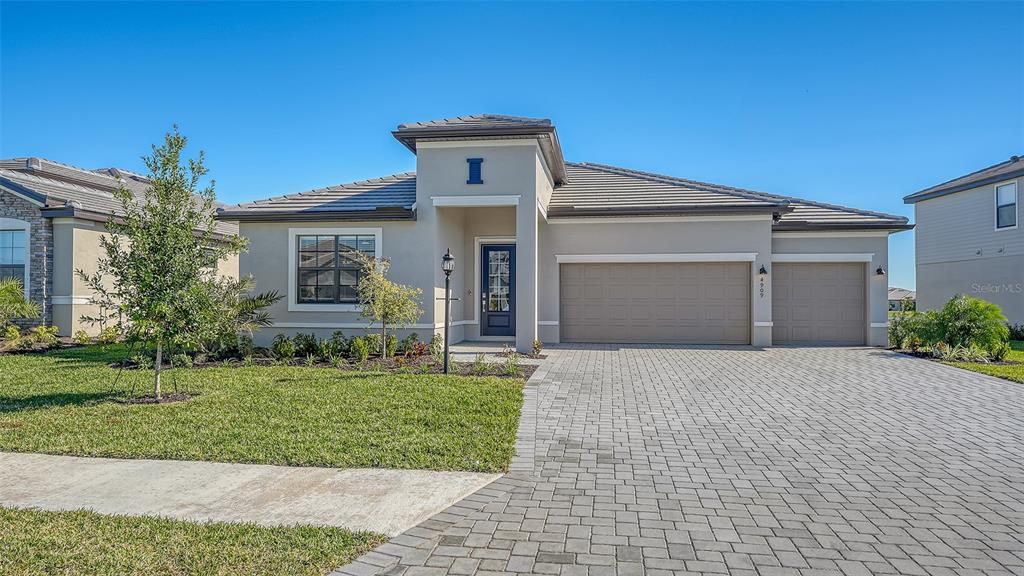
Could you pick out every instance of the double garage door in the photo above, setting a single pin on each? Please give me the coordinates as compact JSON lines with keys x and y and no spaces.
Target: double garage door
{"x":709,"y":303}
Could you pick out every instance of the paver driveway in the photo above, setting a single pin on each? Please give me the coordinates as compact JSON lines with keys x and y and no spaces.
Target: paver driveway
{"x":663,"y":460}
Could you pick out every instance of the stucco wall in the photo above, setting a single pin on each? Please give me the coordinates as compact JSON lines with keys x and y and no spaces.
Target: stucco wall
{"x":40,"y":257}
{"x":838,"y":243}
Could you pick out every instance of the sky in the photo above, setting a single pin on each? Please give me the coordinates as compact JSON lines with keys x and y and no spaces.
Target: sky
{"x":857,"y":104}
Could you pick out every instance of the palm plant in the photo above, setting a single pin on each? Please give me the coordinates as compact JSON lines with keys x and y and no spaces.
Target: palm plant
{"x":13,"y":303}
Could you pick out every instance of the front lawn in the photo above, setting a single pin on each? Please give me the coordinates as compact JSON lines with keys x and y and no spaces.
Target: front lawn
{"x":81,"y":542}
{"x":65,"y":402}
{"x":1013,"y":372}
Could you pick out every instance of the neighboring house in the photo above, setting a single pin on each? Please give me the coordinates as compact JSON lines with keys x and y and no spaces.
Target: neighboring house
{"x":896,"y":297}
{"x":571,"y":252}
{"x":51,"y":219}
{"x":969,"y":239}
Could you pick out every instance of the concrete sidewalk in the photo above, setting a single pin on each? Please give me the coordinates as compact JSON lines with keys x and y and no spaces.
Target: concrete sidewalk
{"x":386,"y":501}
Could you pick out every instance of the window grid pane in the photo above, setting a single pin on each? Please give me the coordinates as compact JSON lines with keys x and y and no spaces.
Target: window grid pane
{"x":329,"y":271}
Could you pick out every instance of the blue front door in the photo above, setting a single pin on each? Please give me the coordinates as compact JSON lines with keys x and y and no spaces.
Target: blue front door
{"x":498,"y":290}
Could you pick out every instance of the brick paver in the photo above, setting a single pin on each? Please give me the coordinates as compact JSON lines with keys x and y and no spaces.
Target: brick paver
{"x":669,"y":460}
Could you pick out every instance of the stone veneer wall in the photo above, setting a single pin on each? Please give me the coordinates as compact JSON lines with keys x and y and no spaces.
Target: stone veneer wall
{"x":40,"y":253}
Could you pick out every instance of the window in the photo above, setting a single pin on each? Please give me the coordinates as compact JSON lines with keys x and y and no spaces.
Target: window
{"x":12,"y":255}
{"x":474,"y":171}
{"x":1006,"y":205}
{"x":328,"y":269}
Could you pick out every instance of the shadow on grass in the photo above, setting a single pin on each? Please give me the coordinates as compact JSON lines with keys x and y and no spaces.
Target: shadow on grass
{"x":44,"y":401}
{"x":90,"y":356}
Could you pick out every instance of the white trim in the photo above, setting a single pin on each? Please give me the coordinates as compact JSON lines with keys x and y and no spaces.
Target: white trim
{"x":837,"y":234}
{"x":540,"y":208}
{"x":547,"y":322}
{"x":822,"y":257}
{"x":764,"y":324}
{"x":293,"y":233}
{"x":13,"y":224}
{"x":642,"y":258}
{"x":879,"y":324}
{"x":75,"y":222}
{"x":476,"y":201}
{"x":476,"y":267}
{"x":426,"y":144}
{"x":1016,"y":205}
{"x":70,"y":300}
{"x":32,"y":201}
{"x":650,"y":219}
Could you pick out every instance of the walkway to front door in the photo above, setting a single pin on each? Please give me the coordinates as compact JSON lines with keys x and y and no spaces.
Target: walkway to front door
{"x":498,"y":290}
{"x":659,"y":460}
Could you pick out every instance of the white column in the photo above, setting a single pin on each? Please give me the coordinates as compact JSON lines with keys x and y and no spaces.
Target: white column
{"x":526,"y":274}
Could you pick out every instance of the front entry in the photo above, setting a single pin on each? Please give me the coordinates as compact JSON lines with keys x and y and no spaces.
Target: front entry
{"x":498,"y":290}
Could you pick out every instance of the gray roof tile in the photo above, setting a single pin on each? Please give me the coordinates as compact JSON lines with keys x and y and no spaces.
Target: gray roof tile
{"x":479,"y":121}
{"x":1003,"y":170}
{"x":392,"y":195}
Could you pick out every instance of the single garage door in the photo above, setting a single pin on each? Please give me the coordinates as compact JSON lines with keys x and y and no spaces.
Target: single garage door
{"x":689,"y":303}
{"x":818,"y":303}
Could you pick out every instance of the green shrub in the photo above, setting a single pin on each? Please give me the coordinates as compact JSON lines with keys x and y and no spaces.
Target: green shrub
{"x":511,"y":364}
{"x":1016,"y":331}
{"x":436,"y":345}
{"x":538,"y":347}
{"x":182,"y":360}
{"x":1000,"y":352}
{"x":480,"y":364}
{"x":965,"y":321}
{"x":408,"y":345}
{"x":108,"y":335}
{"x":359,"y":350}
{"x":82,"y":338}
{"x":959,"y":353}
{"x":44,"y":335}
{"x":245,"y":346}
{"x":12,"y":334}
{"x":306,"y":345}
{"x":338,"y":344}
{"x":283,"y":348}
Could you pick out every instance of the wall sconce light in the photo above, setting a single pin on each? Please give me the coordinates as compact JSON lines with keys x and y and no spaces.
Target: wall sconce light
{"x":880,"y":271}
{"x":763,"y":271}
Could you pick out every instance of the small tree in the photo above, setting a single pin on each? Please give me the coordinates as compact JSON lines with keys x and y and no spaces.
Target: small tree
{"x":159,"y":251}
{"x":384,"y":301}
{"x":13,"y":303}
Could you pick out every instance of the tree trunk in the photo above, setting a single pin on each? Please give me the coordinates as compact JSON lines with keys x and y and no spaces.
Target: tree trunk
{"x":383,"y":340}
{"x":157,"y":366}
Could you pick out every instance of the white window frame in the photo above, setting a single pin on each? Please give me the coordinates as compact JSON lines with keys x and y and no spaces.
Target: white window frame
{"x":293,"y":292}
{"x":9,"y":224}
{"x":1016,"y":205}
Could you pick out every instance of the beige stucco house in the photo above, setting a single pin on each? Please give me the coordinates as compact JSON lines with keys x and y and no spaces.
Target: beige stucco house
{"x":969,"y":239}
{"x":52,"y":216}
{"x":571,"y":252}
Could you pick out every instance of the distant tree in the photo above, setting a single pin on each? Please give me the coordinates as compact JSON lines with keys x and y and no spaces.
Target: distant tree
{"x":13,"y":303}
{"x":157,"y":258}
{"x":384,"y":301}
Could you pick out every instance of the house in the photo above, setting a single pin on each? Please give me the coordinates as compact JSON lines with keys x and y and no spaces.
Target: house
{"x":571,"y":252}
{"x":969,"y":239}
{"x":52,"y":216}
{"x":896,"y":297}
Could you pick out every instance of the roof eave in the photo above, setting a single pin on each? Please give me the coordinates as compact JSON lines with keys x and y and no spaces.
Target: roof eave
{"x":102,"y":217}
{"x":804,"y":226}
{"x":378,"y":214}
{"x":572,"y":212}
{"x":928,"y":193}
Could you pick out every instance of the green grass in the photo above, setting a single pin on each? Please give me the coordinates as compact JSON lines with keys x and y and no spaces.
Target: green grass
{"x":65,"y":402}
{"x":1013,"y":372}
{"x":80,"y":542}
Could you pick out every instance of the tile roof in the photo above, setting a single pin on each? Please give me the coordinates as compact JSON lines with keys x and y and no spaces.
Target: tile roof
{"x":389,"y":197}
{"x":56,"y":185}
{"x":901,"y":293}
{"x":592,"y":190}
{"x":1002,"y":171}
{"x":477,"y":121}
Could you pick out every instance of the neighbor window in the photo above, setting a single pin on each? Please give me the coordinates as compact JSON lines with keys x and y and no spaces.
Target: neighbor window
{"x":12,"y":255}
{"x":329,"y":269}
{"x":1006,"y":205}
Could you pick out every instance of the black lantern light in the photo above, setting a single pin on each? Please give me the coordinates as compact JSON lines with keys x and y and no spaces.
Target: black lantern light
{"x":447,"y":266}
{"x":880,"y":271}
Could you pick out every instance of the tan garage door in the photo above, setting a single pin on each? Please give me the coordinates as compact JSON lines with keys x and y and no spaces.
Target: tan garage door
{"x":818,"y":303}
{"x":690,"y":303}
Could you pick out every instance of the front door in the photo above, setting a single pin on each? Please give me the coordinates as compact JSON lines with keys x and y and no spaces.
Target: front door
{"x":498,"y":290}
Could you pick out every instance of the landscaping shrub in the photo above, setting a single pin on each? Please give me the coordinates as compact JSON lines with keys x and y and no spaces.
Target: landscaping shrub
{"x":480,"y":364}
{"x":283,"y":348}
{"x":538,"y":346}
{"x":82,"y":338}
{"x":12,"y":334}
{"x":1016,"y":331}
{"x":436,"y":345}
{"x":44,"y":335}
{"x":1000,"y":352}
{"x":511,"y":364}
{"x":245,"y":346}
{"x":959,"y":353}
{"x":338,"y":344}
{"x":182,"y":360}
{"x":408,"y":345}
{"x":108,"y":335}
{"x":359,"y":350}
{"x":306,"y":345}
{"x":966,"y":321}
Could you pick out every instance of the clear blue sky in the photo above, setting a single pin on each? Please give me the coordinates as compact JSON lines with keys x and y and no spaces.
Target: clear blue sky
{"x":857,"y":104}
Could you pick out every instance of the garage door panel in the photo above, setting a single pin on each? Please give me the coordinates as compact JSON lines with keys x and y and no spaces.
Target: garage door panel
{"x":694,"y":302}
{"x":818,"y":303}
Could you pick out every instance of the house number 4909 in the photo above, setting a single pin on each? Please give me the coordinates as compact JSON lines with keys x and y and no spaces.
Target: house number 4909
{"x":761,"y":280}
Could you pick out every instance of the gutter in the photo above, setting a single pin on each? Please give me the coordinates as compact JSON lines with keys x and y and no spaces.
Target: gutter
{"x":919,"y":196}
{"x":378,"y":214}
{"x":669,"y":211}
